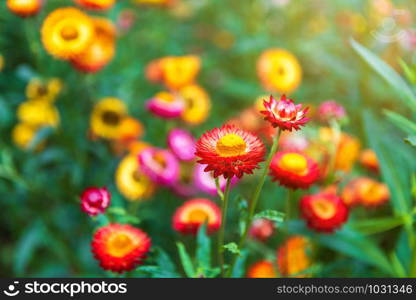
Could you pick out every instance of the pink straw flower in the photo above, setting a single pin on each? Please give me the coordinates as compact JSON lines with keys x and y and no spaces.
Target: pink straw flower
{"x":182,"y":144}
{"x":205,"y":181}
{"x":160,"y":165}
{"x":284,"y":113}
{"x":331,"y":110}
{"x":165,"y":105}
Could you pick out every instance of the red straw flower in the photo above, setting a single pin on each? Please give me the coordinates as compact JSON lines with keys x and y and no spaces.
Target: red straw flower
{"x":294,"y":169}
{"x":94,"y":200}
{"x":229,"y":151}
{"x":119,"y":247}
{"x":193,"y":213}
{"x":324,"y":212}
{"x":284,"y":113}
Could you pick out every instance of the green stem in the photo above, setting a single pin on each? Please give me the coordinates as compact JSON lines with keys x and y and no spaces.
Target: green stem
{"x":219,"y":191}
{"x":254,"y":200}
{"x":223,"y":222}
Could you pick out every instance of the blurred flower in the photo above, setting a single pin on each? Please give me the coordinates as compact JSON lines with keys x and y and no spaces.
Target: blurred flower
{"x":331,"y":110}
{"x":284,"y":113}
{"x":23,"y":134}
{"x":205,"y":181}
{"x":24,"y":8}
{"x":160,"y":165}
{"x":96,"y":4}
{"x":131,"y":181}
{"x":47,"y":91}
{"x":165,"y":105}
{"x":101,"y":49}
{"x":365,"y":191}
{"x":130,"y":130}
{"x":107,"y":116}
{"x":126,"y":19}
{"x":230,"y":151}
{"x":67,"y":32}
{"x":38,"y":113}
{"x":153,"y":71}
{"x":261,"y":229}
{"x":323,"y":212}
{"x":347,"y":151}
{"x":197,"y":104}
{"x":135,"y":147}
{"x":294,"y":170}
{"x":182,"y":144}
{"x":195,"y":212}
{"x":368,"y":159}
{"x":292,"y":257}
{"x":185,"y":187}
{"x":293,"y":141}
{"x":179,"y":71}
{"x":120,"y":248}
{"x":261,"y":269}
{"x":279,"y":71}
{"x":95,"y":200}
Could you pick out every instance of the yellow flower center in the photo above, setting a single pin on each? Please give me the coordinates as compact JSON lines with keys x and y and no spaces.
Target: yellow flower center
{"x":69,"y":33}
{"x":231,"y":145}
{"x":120,"y":244}
{"x":323,"y":208}
{"x":165,"y":97}
{"x":111,"y":118}
{"x":198,"y":216}
{"x":294,"y":163}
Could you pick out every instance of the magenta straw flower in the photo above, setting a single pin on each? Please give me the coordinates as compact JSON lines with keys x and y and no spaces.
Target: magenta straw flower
{"x":160,"y":165}
{"x":182,"y":144}
{"x":205,"y":181}
{"x":331,"y":110}
{"x":185,"y":187}
{"x":165,"y":105}
{"x":95,"y":200}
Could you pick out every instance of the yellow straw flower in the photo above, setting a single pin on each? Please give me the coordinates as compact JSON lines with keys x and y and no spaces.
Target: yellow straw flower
{"x":38,"y":113}
{"x":197,"y":104}
{"x":43,"y":90}
{"x":131,"y":182}
{"x":23,"y":134}
{"x":101,"y":50}
{"x":66,"y":32}
{"x":180,"y":71}
{"x":107,"y":117}
{"x":279,"y":71}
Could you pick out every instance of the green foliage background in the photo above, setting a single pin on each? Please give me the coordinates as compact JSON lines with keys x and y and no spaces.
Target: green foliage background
{"x":44,"y":233}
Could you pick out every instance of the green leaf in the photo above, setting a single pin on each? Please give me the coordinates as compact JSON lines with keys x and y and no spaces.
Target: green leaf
{"x":372,"y":226}
{"x":410,"y":74}
{"x":411,"y":140}
{"x":396,"y":161}
{"x":29,"y":242}
{"x":203,"y":249}
{"x":358,"y":246}
{"x":397,"y":265}
{"x":186,"y":260}
{"x":272,"y":215}
{"x":387,"y":73}
{"x":232,"y":247}
{"x":401,"y":122}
